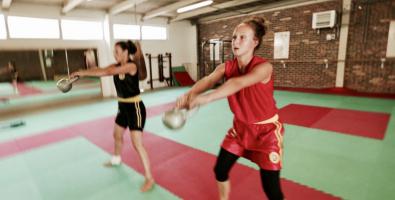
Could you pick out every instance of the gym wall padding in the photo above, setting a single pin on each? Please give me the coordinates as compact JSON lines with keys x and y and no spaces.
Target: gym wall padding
{"x":182,"y":77}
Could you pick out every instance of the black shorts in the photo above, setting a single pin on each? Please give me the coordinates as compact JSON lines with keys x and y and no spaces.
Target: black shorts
{"x":131,"y":115}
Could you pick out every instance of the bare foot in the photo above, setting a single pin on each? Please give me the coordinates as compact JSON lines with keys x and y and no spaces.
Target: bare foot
{"x":148,"y":184}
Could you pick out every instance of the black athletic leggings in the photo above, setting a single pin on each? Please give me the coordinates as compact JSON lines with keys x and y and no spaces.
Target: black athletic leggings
{"x":270,"y":179}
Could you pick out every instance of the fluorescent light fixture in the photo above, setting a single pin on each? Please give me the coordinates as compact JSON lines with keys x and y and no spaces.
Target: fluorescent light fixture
{"x":194,"y":6}
{"x":33,"y":28}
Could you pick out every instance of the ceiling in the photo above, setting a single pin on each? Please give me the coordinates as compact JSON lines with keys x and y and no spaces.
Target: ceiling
{"x":154,"y":8}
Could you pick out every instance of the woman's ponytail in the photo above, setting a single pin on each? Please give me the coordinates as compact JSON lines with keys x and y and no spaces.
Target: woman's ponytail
{"x":131,"y":47}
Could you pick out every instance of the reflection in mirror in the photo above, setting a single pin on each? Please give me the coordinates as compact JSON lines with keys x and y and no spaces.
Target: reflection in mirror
{"x":28,"y":78}
{"x":90,"y":58}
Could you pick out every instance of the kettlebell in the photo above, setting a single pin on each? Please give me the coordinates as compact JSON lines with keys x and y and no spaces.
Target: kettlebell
{"x":175,"y":118}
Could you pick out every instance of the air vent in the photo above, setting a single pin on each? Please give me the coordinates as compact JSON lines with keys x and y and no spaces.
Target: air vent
{"x":324,"y":19}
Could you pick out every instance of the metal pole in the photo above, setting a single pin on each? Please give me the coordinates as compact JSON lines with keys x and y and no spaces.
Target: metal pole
{"x":160,"y":68}
{"x":214,"y":55}
{"x":223,"y":51}
{"x":67,"y":63}
{"x":150,"y":70}
{"x":40,"y":55}
{"x":170,"y":69}
{"x":202,"y":70}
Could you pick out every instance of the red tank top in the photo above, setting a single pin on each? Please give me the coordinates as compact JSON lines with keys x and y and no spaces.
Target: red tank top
{"x":254,"y":103}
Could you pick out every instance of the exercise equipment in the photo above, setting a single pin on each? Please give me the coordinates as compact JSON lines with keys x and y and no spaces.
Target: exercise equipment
{"x":161,"y":61}
{"x":65,"y":84}
{"x":176,"y":118}
{"x":224,"y":48}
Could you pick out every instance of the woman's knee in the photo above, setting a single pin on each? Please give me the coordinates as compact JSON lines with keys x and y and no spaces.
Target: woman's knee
{"x":118,"y":137}
{"x":271,"y":184}
{"x":221,"y":174}
{"x":137,"y":140}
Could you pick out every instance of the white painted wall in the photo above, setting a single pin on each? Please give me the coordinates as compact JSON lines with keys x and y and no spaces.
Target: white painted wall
{"x":341,"y":64}
{"x":391,"y":40}
{"x":181,"y":42}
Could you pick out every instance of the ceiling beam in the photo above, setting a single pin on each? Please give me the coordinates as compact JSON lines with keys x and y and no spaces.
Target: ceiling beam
{"x":6,"y":4}
{"x":168,"y":8}
{"x":71,"y":4}
{"x":280,"y":5}
{"x":212,"y":8}
{"x":118,"y":8}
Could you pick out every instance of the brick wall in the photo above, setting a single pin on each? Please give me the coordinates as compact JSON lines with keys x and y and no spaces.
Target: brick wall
{"x":367,"y":44}
{"x":305,"y":67}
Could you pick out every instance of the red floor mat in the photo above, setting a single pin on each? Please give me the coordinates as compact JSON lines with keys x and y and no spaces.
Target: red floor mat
{"x":352,"y":122}
{"x":185,"y":171}
{"x":183,"y":78}
{"x":188,"y":172}
{"x":339,"y":91}
{"x":27,"y":90}
{"x":302,"y":115}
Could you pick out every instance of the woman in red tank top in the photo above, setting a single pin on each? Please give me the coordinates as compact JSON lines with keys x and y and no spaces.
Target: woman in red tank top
{"x":256,"y":133}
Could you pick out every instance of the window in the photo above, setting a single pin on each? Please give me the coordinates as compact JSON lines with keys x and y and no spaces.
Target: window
{"x":154,"y":33}
{"x":33,"y":28}
{"x":123,"y":31}
{"x":3,"y":32}
{"x":81,"y":30}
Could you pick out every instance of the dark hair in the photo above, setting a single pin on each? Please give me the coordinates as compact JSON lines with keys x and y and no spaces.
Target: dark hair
{"x":259,"y":26}
{"x":127,"y":45}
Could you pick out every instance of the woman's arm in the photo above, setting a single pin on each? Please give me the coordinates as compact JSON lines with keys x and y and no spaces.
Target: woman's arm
{"x":261,"y":73}
{"x":209,"y":81}
{"x":130,"y":68}
{"x":201,"y":86}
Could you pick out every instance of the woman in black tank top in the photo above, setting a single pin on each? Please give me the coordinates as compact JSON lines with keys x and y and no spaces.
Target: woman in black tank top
{"x":14,"y":75}
{"x":11,"y":69}
{"x":131,"y":109}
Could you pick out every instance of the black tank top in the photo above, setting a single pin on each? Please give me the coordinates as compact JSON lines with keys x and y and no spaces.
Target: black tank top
{"x":126,"y":84}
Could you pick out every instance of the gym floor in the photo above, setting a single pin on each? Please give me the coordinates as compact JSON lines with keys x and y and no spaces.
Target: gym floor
{"x":335,"y":147}
{"x":38,"y":93}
